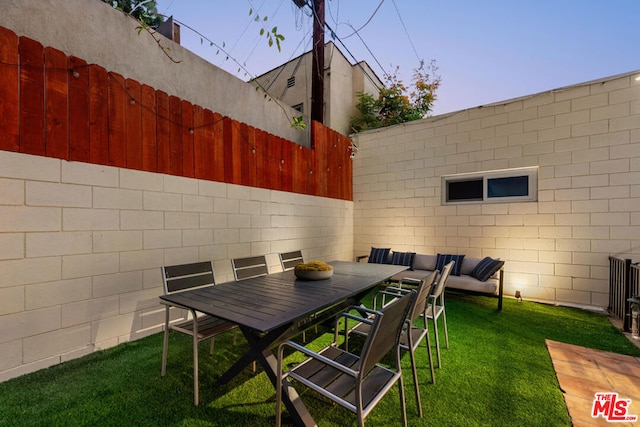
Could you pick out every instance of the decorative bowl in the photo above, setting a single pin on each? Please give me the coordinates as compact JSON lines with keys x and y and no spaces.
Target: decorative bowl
{"x":313,"y":274}
{"x":314,"y":270}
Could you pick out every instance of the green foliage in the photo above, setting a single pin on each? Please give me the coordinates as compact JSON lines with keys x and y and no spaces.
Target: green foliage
{"x":272,"y":35}
{"x":396,"y":103}
{"x":145,"y":11}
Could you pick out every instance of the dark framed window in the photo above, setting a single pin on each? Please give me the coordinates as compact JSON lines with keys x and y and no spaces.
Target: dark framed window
{"x":508,"y":185}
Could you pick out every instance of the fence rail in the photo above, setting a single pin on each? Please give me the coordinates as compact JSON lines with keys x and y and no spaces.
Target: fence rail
{"x":624,"y":283}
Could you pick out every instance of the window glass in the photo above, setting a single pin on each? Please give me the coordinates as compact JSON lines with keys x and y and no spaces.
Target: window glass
{"x":464,"y":190}
{"x":513,"y":186}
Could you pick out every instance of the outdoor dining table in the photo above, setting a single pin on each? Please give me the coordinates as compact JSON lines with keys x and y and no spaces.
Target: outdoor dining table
{"x":271,"y":309}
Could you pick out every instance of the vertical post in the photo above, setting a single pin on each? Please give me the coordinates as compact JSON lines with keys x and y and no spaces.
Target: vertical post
{"x":317,"y":72}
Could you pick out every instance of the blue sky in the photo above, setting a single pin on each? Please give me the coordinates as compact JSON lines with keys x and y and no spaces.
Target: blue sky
{"x":487,"y":51}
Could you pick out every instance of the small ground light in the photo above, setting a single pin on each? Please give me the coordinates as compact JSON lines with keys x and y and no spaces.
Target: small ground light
{"x":518,"y":296}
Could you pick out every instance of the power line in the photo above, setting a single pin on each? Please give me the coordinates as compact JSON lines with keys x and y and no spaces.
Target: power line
{"x":405,"y":30}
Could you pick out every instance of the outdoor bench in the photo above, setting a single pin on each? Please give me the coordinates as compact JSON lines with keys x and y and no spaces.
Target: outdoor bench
{"x":474,"y":275}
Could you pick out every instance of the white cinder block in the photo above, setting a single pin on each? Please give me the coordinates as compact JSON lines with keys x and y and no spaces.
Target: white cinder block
{"x":156,"y":239}
{"x":56,"y":342}
{"x":25,"y":218}
{"x":116,"y":241}
{"x":154,"y":201}
{"x":12,"y":192}
{"x":115,"y":198}
{"x":137,"y":260}
{"x":27,"y":271}
{"x":12,"y":245}
{"x":141,"y":220}
{"x":83,"y":312}
{"x":89,"y":174}
{"x":139,"y":180}
{"x":86,"y":265}
{"x":116,"y":284}
{"x":50,"y":294}
{"x":25,"y":166}
{"x":197,"y":203}
{"x":181,"y":220}
{"x":54,"y":194}
{"x":89,"y":219}
{"x":180,"y":185}
{"x":11,"y":355}
{"x":12,"y":300}
{"x":57,"y":243}
{"x":29,"y":323}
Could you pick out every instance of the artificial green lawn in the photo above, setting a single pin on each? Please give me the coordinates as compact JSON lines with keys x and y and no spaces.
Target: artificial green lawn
{"x":497,"y":372}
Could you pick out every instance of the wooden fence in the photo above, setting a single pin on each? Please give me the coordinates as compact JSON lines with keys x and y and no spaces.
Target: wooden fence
{"x":59,"y":106}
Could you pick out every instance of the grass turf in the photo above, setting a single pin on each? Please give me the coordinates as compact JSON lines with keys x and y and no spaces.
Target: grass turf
{"x":497,"y":372}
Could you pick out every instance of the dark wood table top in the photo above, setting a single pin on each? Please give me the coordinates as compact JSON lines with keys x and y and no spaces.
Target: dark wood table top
{"x":269,"y":302}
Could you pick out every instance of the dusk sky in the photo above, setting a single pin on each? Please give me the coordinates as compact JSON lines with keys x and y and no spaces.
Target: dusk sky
{"x":487,"y":51}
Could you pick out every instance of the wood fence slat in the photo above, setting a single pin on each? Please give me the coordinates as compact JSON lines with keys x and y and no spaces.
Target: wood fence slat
{"x":133,"y":120}
{"x":286,"y":166}
{"x":56,"y":104}
{"x":78,"y":110}
{"x":31,"y":96}
{"x":98,"y":115}
{"x":232,"y":157}
{"x":188,"y":167}
{"x":118,"y":101}
{"x":163,"y":135}
{"x":9,"y":99}
{"x":248,"y":154}
{"x":201,"y":160}
{"x":175,"y":135}
{"x":321,"y":165}
{"x":215,"y":124}
{"x":149,"y":129}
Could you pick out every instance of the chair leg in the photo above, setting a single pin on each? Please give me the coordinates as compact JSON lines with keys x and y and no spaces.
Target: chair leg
{"x":165,"y":345}
{"x":435,"y":330}
{"x":430,"y":354}
{"x":195,"y":362}
{"x":444,"y":322}
{"x":415,"y":378}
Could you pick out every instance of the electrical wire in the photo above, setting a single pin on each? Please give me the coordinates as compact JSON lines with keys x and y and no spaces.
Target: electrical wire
{"x":405,"y":31}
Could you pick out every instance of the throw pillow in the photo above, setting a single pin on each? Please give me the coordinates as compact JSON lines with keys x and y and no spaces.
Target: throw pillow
{"x":402,"y":258}
{"x":444,"y":259}
{"x":379,"y":255}
{"x":486,"y":268}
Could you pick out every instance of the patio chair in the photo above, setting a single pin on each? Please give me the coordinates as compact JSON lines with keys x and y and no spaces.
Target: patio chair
{"x":412,"y":334}
{"x":289,"y":260}
{"x":249,"y":267}
{"x":177,"y":278}
{"x":436,"y":308}
{"x":356,"y":382}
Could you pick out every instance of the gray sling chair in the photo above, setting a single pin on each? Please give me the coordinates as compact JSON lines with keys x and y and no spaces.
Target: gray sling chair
{"x":435,"y":309}
{"x":248,"y":268}
{"x":177,"y":278}
{"x":356,"y":382}
{"x":413,"y":333}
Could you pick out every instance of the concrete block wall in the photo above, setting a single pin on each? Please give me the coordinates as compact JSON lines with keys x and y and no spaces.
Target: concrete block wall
{"x":585,"y":140}
{"x":81,"y":248}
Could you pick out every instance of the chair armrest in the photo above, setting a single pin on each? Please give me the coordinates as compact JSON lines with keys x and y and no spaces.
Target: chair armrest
{"x":390,"y":291}
{"x":302,"y":349}
{"x":409,"y":281}
{"x":361,"y":257}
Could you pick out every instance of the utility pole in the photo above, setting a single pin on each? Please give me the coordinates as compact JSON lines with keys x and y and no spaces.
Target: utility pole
{"x":317,"y":72}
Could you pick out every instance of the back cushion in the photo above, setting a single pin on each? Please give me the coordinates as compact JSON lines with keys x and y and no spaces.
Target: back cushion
{"x":468,"y":264}
{"x":424,"y":262}
{"x":444,"y":259}
{"x":379,"y":256}
{"x":402,"y":258}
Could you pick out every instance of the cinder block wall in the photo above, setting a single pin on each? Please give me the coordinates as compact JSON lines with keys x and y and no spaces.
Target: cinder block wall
{"x":585,"y":139}
{"x":81,"y":247}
